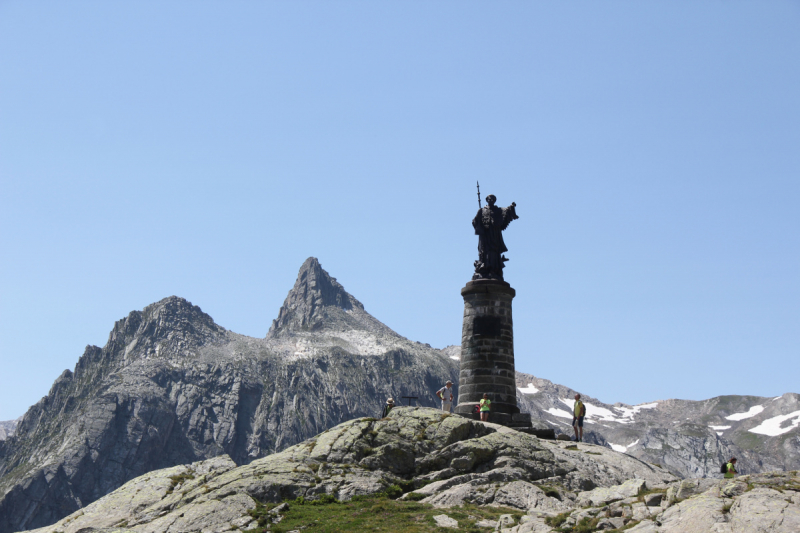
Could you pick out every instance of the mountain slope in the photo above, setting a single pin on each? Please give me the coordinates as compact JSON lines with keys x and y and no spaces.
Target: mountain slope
{"x":690,"y":438}
{"x":172,"y":387}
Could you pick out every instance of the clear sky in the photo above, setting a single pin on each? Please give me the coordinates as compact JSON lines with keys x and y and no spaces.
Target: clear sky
{"x":206,"y":149}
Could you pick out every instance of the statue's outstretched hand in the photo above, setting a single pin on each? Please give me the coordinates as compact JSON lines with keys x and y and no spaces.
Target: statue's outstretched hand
{"x":514,"y":210}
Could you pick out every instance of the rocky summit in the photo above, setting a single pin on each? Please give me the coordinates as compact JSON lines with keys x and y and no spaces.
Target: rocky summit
{"x":445,"y":461}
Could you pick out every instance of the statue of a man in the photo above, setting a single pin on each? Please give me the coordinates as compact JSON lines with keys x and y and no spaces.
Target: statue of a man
{"x":489,"y":224}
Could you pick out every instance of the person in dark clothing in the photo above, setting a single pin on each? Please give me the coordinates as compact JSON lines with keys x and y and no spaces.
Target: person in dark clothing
{"x":387,"y":408}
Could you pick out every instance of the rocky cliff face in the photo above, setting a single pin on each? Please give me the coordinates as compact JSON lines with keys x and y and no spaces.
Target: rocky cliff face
{"x":690,"y":438}
{"x":8,"y":427}
{"x":172,"y":387}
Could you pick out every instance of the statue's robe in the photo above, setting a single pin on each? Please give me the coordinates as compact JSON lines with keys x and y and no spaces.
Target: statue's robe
{"x":489,"y":224}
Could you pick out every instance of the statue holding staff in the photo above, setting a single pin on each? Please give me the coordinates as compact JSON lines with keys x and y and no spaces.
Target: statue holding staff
{"x":489,"y":224}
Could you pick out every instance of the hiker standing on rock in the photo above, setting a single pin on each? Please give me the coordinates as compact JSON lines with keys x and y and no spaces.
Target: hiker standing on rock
{"x":486,"y":405}
{"x":387,"y":408}
{"x":578,"y":412}
{"x":446,"y":395}
{"x":730,"y":468}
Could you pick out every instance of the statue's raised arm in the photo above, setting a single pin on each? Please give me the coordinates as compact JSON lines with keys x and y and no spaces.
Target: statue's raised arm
{"x":489,"y":224}
{"x":509,"y":214}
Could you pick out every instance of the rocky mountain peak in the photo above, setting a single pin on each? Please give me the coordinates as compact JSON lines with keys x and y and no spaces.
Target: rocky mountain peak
{"x":170,"y":321}
{"x":308,"y":304}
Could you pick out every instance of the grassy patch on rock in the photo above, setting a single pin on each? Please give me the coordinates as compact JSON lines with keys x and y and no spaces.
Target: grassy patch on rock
{"x":372,"y":513}
{"x":551,"y":491}
{"x":555,"y":521}
{"x":179,"y":480}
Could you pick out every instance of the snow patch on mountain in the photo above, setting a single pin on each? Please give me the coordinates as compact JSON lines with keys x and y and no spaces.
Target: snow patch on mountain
{"x":719,"y":429}
{"x":630,"y":412}
{"x":753,"y":411}
{"x":597,"y":412}
{"x":775,"y":426}
{"x":559,"y":412}
{"x":530,"y":389}
{"x":621,"y":448}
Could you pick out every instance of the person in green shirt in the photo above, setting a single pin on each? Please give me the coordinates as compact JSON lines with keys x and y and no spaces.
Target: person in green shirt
{"x":731,"y":470}
{"x":486,"y":405}
{"x":578,"y":412}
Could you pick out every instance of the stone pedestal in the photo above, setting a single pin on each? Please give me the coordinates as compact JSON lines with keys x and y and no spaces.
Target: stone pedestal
{"x":487,"y":353}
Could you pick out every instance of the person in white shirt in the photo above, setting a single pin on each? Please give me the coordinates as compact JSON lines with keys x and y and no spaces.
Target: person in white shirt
{"x":446,"y":395}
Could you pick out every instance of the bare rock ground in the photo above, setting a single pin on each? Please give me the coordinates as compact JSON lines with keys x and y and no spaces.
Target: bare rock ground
{"x":446,"y":457}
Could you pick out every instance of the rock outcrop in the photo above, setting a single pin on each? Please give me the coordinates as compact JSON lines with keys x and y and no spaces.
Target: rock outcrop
{"x":766,"y":502}
{"x":8,"y":427}
{"x":447,"y":458}
{"x":446,"y":461}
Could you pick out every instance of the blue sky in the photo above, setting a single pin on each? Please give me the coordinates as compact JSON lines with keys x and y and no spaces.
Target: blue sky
{"x":207,"y":149}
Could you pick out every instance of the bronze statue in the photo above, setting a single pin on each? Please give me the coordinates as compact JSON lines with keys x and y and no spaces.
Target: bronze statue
{"x":489,"y":224}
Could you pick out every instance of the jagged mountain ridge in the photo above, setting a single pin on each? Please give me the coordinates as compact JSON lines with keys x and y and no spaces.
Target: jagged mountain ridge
{"x":172,"y":387}
{"x":690,"y":438}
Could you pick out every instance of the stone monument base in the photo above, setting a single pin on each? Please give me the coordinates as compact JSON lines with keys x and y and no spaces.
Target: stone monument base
{"x":519,"y":421}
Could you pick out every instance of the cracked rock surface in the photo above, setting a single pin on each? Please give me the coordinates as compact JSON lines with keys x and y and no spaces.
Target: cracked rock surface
{"x":765,"y":502}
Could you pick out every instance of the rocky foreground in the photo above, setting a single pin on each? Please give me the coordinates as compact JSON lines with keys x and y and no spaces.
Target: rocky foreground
{"x":446,"y":461}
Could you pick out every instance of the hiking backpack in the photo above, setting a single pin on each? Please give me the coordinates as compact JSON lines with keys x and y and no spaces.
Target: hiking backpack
{"x":724,"y":468}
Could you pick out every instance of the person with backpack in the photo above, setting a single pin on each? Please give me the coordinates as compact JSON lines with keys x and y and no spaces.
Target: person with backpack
{"x":387,"y":408}
{"x":729,"y":468}
{"x":486,"y":405}
{"x":578,"y":412}
{"x":446,"y":395}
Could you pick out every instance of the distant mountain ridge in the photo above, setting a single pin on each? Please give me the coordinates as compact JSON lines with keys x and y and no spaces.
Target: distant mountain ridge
{"x":172,"y":387}
{"x":690,"y":438}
